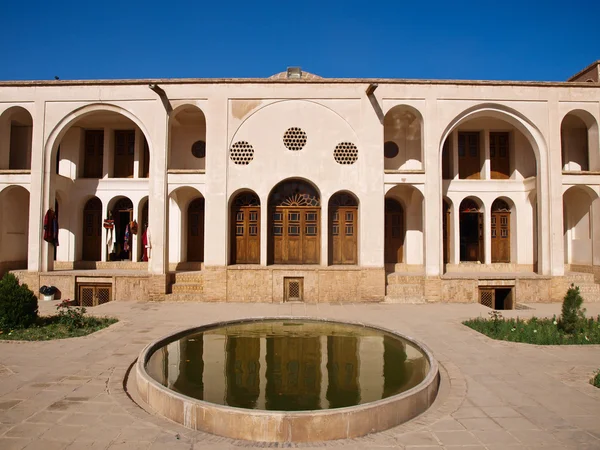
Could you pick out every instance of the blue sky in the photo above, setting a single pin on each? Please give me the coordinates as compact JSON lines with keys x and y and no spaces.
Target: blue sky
{"x":507,"y":40}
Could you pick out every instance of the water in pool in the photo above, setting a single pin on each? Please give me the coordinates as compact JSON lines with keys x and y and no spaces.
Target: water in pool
{"x":289,"y":365}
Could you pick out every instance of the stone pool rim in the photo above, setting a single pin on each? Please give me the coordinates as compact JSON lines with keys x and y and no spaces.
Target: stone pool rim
{"x":285,"y":426}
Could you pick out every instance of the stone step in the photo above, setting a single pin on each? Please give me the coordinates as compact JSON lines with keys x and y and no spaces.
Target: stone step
{"x":184,"y":297}
{"x":575,"y":277}
{"x":404,"y":278}
{"x":412,"y":299}
{"x":188,"y":277}
{"x":187,"y":287}
{"x":404,"y":289}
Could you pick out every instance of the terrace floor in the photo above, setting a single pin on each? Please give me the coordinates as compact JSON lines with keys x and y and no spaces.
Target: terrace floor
{"x":69,"y":394}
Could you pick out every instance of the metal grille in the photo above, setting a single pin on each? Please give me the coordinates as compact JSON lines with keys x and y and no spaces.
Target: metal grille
{"x":293,"y":289}
{"x":486,"y":297}
{"x":86,"y":296}
{"x":94,"y":295}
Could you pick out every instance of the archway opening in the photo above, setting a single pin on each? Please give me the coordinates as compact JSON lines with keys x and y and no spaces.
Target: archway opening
{"x":103,"y":144}
{"x":245,"y":229}
{"x":92,"y":230}
{"x":579,"y":142}
{"x":294,"y":223}
{"x":187,"y":139}
{"x":16,"y":133}
{"x":14,"y":228}
{"x":578,"y":225}
{"x":122,"y":214}
{"x":402,"y":136}
{"x":394,"y":231}
{"x":343,"y":229}
{"x":471,"y":232}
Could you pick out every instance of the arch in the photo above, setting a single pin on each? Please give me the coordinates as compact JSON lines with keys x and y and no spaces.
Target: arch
{"x":62,"y":127}
{"x":14,"y":228}
{"x":294,"y":223}
{"x":471,"y":230}
{"x":92,"y":230}
{"x":187,"y":138}
{"x":501,"y":236}
{"x":178,"y":218}
{"x":403,"y":138}
{"x":343,"y":228}
{"x":16,"y":134}
{"x":579,"y":141}
{"x":245,"y":228}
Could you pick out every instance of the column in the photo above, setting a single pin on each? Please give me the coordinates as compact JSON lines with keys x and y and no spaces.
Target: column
{"x":264,"y":230}
{"x":138,"y":152}
{"x":105,"y":251}
{"x":487,"y":233}
{"x":134,"y":237}
{"x":455,"y":247}
{"x":486,"y":155}
{"x":454,"y":149}
{"x":108,"y":157}
{"x":433,"y":193}
{"x":550,"y":199}
{"x":38,"y":254}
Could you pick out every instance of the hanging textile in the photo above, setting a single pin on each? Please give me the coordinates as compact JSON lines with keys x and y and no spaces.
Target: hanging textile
{"x":133,"y":227}
{"x":109,"y":239}
{"x":51,"y":227}
{"x":126,"y":239}
{"x":148,"y":243}
{"x":145,"y":245}
{"x":109,"y":224}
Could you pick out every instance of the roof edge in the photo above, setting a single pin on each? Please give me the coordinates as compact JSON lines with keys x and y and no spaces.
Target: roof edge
{"x":595,"y":63}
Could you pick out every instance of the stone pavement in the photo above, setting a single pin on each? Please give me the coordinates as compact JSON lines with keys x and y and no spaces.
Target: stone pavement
{"x":70,"y":394}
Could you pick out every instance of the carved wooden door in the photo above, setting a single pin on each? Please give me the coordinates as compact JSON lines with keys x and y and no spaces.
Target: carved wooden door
{"x":343,"y":232}
{"x":469,"y":160}
{"x":500,"y":232}
{"x":94,"y":153}
{"x":499,"y":156}
{"x":92,"y":231}
{"x":246,"y":229}
{"x":124,"y":153}
{"x":195,"y":243}
{"x":394,"y":232}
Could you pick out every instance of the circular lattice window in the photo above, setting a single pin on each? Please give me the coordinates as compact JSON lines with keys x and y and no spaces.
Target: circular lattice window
{"x":294,"y":139}
{"x":199,"y":149}
{"x":345,"y":153}
{"x":241,"y":153}
{"x":390,"y":149}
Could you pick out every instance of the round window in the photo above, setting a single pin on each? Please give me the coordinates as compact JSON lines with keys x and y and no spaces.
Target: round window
{"x":390,"y":149}
{"x":199,"y":149}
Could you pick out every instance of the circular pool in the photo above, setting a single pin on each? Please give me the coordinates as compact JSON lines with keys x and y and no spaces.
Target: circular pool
{"x":287,"y":380}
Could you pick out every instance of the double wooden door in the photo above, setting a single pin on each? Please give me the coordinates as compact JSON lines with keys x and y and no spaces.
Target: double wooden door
{"x":500,"y":222}
{"x":94,"y":153}
{"x":124,"y":153}
{"x":469,"y":159}
{"x":499,"y":155}
{"x":195,"y":243}
{"x":245,"y":247}
{"x":343,"y":229}
{"x":295,"y":234}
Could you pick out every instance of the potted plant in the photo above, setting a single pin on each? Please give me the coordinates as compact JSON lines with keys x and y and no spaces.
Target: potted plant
{"x":48,"y":292}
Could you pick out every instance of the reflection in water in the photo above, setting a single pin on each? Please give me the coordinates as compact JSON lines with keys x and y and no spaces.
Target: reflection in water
{"x":289,"y":365}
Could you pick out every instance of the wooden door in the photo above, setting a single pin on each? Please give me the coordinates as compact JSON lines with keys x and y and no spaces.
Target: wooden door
{"x":499,"y":155}
{"x":394,"y":232}
{"x":500,"y":222}
{"x":92,"y":231}
{"x":469,"y":159}
{"x":93,"y":153}
{"x":195,"y":243}
{"x":124,"y":153}
{"x":246,"y":232}
{"x":295,"y":233}
{"x":343,"y":235}
{"x":471,"y":236}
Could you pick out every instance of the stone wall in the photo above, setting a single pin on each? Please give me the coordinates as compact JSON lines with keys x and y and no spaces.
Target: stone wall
{"x":460,"y":290}
{"x":529,"y":290}
{"x":133,"y":289}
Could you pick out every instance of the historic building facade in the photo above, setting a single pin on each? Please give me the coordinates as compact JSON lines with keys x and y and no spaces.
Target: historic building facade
{"x":298,"y":187}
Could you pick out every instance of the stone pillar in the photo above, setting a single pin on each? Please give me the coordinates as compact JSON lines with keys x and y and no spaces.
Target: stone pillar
{"x":37,"y":248}
{"x":455,"y":248}
{"x":487,"y":233}
{"x":157,"y":203}
{"x":432,"y":202}
{"x":264,"y":230}
{"x":550,"y":199}
{"x":109,"y":150}
{"x":104,"y":250}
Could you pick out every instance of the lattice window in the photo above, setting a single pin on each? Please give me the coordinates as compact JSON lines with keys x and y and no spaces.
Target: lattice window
{"x":293,"y":193}
{"x":486,"y":297}
{"x":293,"y":289}
{"x":93,"y":295}
{"x":86,"y":296}
{"x":294,"y":139}
{"x":241,"y":153}
{"x":247,"y":199}
{"x":345,"y":153}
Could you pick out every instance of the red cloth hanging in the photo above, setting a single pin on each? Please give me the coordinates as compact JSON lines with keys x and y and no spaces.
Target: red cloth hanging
{"x":51,"y":227}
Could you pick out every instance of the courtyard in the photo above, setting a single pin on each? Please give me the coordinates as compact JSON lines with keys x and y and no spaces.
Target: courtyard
{"x":77,"y":393}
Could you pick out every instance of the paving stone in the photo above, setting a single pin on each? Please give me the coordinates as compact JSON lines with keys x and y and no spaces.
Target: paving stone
{"x":495,"y":437}
{"x":13,"y":443}
{"x":27,"y":430}
{"x":479,"y":424}
{"x":59,"y":432}
{"x":417,"y":438}
{"x":513,"y":423}
{"x":456,"y":438}
{"x":46,"y":445}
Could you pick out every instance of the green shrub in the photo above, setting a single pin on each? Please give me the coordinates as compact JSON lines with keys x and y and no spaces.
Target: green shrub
{"x":596,"y":379}
{"x":572,"y":313}
{"x":72,"y":317}
{"x":18,"y":304}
